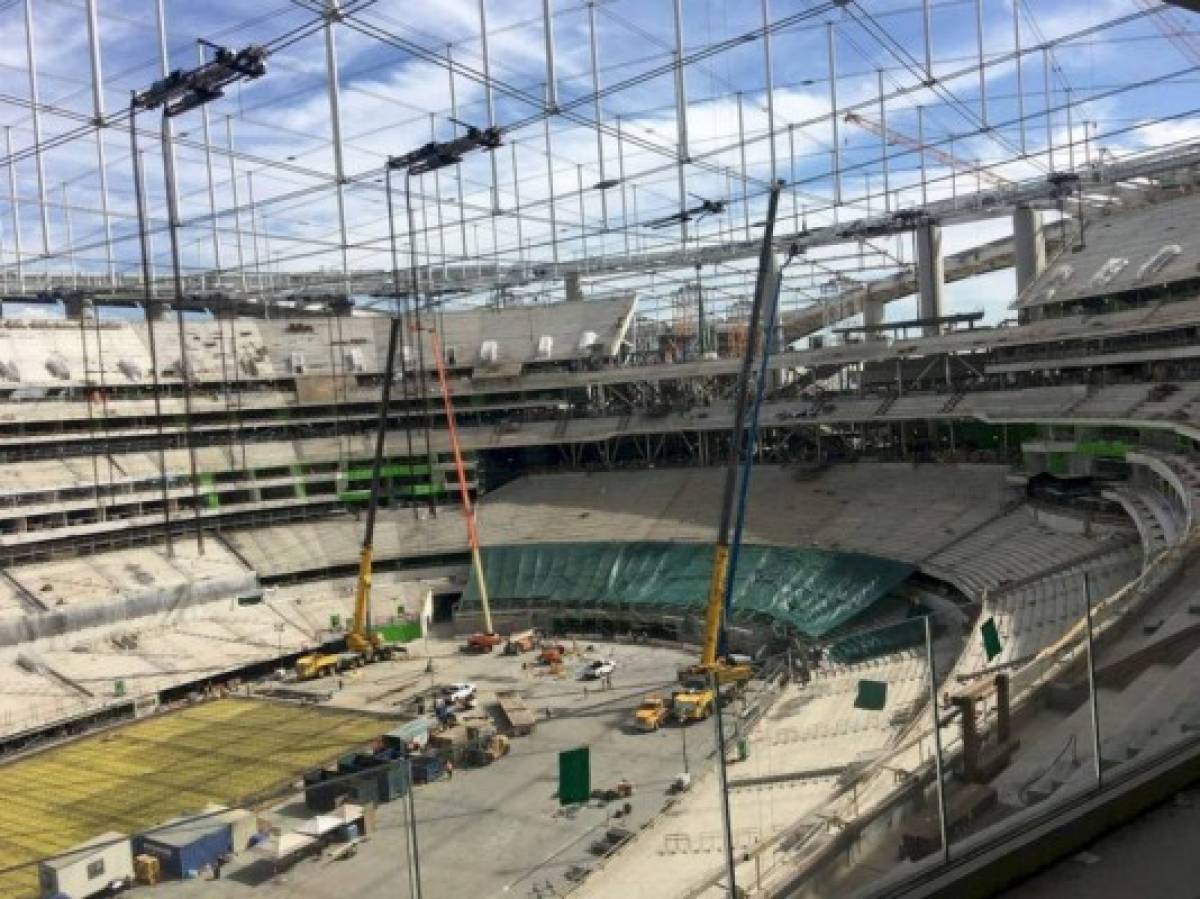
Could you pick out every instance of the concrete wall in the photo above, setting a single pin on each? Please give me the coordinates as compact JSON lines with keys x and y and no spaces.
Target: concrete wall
{"x":124,"y":610}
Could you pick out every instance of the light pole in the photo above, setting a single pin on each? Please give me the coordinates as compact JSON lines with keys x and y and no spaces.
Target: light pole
{"x":175,"y":94}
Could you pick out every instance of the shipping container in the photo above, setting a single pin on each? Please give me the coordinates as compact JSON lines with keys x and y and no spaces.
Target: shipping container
{"x":87,"y":869}
{"x":243,"y":824}
{"x":186,"y":845}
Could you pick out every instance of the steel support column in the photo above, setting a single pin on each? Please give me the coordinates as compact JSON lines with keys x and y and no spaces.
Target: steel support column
{"x":237,"y":212}
{"x":742,"y":159}
{"x":212,"y":188}
{"x":164,"y":62}
{"x":927,"y":25}
{"x":66,"y":201}
{"x":517,"y":202}
{"x":36,"y":118}
{"x":1017,"y":61}
{"x":15,"y":205}
{"x":833,"y":119}
{"x":549,"y":185}
{"x":458,"y":180}
{"x":769,"y":81}
{"x":983,"y":110}
{"x":621,"y":177}
{"x":333,"y":15}
{"x":551,"y":83}
{"x":489,"y":103}
{"x":591,"y":7}
{"x":683,"y":154}
{"x":98,"y":121}
{"x":1046,"y":97}
{"x":884,"y":152}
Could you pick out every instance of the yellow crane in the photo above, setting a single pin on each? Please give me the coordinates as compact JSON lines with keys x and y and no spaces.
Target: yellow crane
{"x":361,"y":645}
{"x":698,"y":696}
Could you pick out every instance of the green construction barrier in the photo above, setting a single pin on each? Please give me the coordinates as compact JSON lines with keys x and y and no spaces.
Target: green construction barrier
{"x":207,"y":495}
{"x":810,"y":590}
{"x":385,"y":471}
{"x":1110,"y":449}
{"x":1058,"y":463}
{"x":400,"y":632}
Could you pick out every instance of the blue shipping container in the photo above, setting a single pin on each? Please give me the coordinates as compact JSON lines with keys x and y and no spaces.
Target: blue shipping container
{"x":184,"y":847}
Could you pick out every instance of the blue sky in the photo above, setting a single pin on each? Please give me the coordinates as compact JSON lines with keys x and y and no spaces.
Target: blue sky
{"x":392,"y":101}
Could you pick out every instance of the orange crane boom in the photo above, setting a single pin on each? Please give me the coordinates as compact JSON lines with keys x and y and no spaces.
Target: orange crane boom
{"x":460,"y":471}
{"x":903,"y":140}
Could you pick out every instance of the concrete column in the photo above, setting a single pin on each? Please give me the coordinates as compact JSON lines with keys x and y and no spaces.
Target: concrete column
{"x":77,"y":307}
{"x":1029,"y":244}
{"x":873,"y":315}
{"x":931,"y":272}
{"x":574,"y":291}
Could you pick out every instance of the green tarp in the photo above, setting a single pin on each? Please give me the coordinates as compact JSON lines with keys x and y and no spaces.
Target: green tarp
{"x":810,"y":590}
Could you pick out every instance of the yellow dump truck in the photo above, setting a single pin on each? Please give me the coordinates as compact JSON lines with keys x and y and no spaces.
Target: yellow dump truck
{"x":317,"y":664}
{"x":692,"y":704}
{"x":650,"y":715}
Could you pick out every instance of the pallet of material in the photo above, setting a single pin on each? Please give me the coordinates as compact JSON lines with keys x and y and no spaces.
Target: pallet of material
{"x":520,"y":719}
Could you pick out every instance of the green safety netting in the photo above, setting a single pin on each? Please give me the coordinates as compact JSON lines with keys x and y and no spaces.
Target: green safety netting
{"x":810,"y":590}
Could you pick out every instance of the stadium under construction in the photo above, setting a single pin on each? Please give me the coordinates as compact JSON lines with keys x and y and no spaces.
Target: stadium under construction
{"x":597,"y":450}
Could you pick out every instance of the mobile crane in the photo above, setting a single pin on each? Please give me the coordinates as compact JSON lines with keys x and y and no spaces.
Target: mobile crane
{"x":488,"y":639}
{"x":361,"y":645}
{"x":715,"y":665}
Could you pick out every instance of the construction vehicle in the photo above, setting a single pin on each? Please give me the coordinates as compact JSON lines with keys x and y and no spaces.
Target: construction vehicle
{"x":521,"y":720}
{"x":482,"y":643}
{"x":650,"y":715}
{"x":323,"y":664}
{"x":485,"y":745}
{"x":694,"y":703}
{"x":359,"y":639}
{"x":552,"y":654}
{"x":519,"y":643}
{"x":315,"y":665}
{"x":489,"y":632}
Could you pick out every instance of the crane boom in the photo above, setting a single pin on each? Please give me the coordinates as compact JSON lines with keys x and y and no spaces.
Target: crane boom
{"x":467,"y":507}
{"x":358,"y":639}
{"x":714,"y":612}
{"x":1173,"y":29}
{"x":896,"y":137}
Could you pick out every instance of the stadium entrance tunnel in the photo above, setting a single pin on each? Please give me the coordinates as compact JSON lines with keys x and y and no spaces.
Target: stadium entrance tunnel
{"x":660,"y":588}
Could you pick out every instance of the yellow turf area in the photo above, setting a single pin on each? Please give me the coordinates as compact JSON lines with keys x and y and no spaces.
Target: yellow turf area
{"x":140,"y":774}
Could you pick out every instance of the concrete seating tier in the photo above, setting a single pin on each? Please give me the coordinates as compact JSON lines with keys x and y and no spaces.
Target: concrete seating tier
{"x":1009,"y":548}
{"x":1153,"y":516}
{"x":1035,"y":615}
{"x":51,"y":353}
